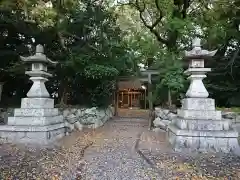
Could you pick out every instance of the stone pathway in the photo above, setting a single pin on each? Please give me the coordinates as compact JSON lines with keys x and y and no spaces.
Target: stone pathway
{"x":114,"y":155}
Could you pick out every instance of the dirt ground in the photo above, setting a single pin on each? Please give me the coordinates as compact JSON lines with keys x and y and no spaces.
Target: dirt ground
{"x":121,"y":149}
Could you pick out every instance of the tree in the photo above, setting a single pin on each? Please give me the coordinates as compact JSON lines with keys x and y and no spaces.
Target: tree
{"x":83,"y":37}
{"x":168,"y":28}
{"x":219,"y":21}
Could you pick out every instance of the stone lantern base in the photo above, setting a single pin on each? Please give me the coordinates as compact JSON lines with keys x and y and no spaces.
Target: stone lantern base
{"x":200,"y":127}
{"x":36,"y":122}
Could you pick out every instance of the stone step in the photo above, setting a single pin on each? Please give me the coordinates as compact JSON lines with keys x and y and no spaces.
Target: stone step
{"x":133,"y":113}
{"x":37,"y":103}
{"x":30,"y":128}
{"x":203,"y":133}
{"x":199,"y":114}
{"x":34,"y":120}
{"x":26,"y":112}
{"x":32,"y":134}
{"x":203,"y":141}
{"x":130,"y":120}
{"x":198,"y":104}
{"x":188,"y":124}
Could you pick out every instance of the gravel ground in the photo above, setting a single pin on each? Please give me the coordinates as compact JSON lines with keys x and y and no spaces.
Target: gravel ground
{"x":118,"y":161}
{"x":196,"y":167}
{"x":61,"y":161}
{"x":122,"y":149}
{"x":123,"y":154}
{"x":113,"y":156}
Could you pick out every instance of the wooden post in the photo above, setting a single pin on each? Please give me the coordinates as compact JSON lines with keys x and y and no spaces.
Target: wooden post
{"x":150,"y":101}
{"x":116,"y":99}
{"x":150,"y":92}
{"x":145,"y":98}
{"x":122,"y":97}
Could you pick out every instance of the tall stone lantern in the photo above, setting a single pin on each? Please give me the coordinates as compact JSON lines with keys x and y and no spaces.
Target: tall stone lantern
{"x":198,"y":126}
{"x":37,"y":121}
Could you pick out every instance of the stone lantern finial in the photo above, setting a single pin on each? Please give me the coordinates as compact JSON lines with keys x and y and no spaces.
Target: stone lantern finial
{"x":39,"y":49}
{"x":196,"y":42}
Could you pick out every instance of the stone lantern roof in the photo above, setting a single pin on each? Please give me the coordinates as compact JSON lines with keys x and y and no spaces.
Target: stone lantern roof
{"x":38,"y":57}
{"x":197,"y":52}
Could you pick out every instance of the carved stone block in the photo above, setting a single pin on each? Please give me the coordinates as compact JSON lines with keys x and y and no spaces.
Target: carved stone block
{"x":35,"y":112}
{"x":199,"y":114}
{"x":37,"y":103}
{"x":35,"y":120}
{"x":203,"y":141}
{"x":198,"y":104}
{"x":207,"y":125}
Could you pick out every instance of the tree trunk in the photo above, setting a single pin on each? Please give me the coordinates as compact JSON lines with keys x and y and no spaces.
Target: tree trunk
{"x":116,"y":99}
{"x":169,"y":98}
{"x":1,"y":90}
{"x":62,"y":93}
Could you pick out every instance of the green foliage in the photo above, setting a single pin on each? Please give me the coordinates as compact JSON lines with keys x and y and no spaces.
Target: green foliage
{"x":95,"y":42}
{"x":100,"y":72}
{"x":173,"y":79}
{"x":81,"y":35}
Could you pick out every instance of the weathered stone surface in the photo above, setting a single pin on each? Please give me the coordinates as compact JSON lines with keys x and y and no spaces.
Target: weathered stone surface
{"x":162,"y":113}
{"x":32,"y":134}
{"x":197,"y":88}
{"x":26,"y":112}
{"x":199,"y":114}
{"x":35,"y":120}
{"x":198,"y":104}
{"x":199,"y":133}
{"x":78,"y":126}
{"x":31,"y":128}
{"x":42,"y":103}
{"x":38,"y":88}
{"x":203,"y":141}
{"x":87,"y":117}
{"x":198,"y":126}
{"x":163,"y":118}
{"x":203,"y":124}
{"x":229,"y":115}
{"x":162,"y":124}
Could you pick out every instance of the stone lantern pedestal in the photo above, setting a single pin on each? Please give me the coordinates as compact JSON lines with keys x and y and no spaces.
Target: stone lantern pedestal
{"x":199,"y":127}
{"x":37,"y":121}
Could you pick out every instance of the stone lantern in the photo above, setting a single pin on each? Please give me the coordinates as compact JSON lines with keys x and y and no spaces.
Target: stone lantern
{"x":198,"y":125}
{"x":196,"y":69}
{"x":37,"y":121}
{"x":38,"y":73}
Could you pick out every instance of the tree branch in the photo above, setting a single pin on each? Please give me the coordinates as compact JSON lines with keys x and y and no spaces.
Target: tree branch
{"x":154,"y":24}
{"x":186,"y":5}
